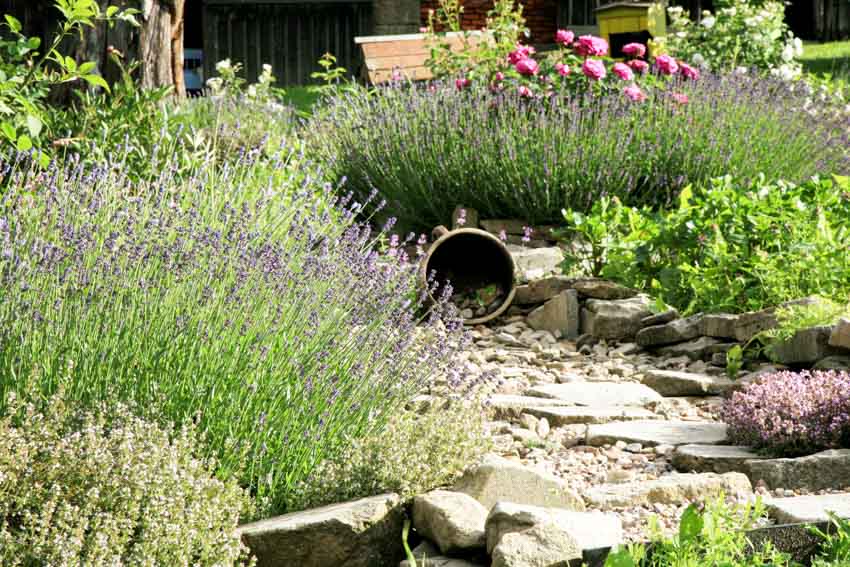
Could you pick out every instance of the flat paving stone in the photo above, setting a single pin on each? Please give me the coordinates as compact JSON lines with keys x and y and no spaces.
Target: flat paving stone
{"x":505,"y":405}
{"x":650,"y":433}
{"x":673,"y":383}
{"x":713,"y":458}
{"x":597,"y":394}
{"x":557,"y":416}
{"x":812,"y":508}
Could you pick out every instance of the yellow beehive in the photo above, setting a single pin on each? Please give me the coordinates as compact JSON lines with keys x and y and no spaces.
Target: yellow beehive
{"x":626,"y":22}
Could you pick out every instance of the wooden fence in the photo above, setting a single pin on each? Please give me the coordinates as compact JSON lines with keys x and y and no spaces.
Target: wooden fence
{"x":291,"y":36}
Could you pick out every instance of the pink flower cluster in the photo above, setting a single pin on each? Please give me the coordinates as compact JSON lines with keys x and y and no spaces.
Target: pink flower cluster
{"x":792,"y":413}
{"x":522,"y":60}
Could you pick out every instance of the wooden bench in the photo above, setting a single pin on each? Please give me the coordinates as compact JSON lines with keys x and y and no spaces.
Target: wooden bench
{"x":388,"y":57}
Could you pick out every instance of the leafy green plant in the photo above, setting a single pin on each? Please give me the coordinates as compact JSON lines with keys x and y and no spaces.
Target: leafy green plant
{"x":105,"y":487}
{"x":796,"y":316}
{"x":835,"y":543}
{"x":28,"y":70}
{"x":734,"y":361}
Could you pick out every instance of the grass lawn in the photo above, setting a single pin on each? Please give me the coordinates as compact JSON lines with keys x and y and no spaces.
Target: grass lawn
{"x":833,"y":57}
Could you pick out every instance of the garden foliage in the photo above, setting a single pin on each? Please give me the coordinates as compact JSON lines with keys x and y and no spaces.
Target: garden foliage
{"x":792,"y":413}
{"x":108,"y":488}
{"x":232,"y":298}
{"x":427,"y":149}
{"x":728,"y":247}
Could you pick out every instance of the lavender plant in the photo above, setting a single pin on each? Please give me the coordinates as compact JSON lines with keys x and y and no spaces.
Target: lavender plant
{"x":792,"y":413}
{"x":427,"y":148}
{"x":259,"y":311}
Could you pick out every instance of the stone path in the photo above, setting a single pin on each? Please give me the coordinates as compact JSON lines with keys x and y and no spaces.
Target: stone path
{"x":631,"y":433}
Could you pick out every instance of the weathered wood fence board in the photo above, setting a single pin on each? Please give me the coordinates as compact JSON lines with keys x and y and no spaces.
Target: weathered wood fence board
{"x":291,"y":36}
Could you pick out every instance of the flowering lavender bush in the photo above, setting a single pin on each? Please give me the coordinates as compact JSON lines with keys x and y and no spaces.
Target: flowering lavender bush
{"x":792,"y":413}
{"x":257,"y":310}
{"x":425,"y":149}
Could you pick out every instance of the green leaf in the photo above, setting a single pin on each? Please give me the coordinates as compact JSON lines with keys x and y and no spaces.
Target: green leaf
{"x":690,"y":526}
{"x":8,"y":131}
{"x":24,"y":143}
{"x":685,"y":198}
{"x":14,"y":23}
{"x":70,"y":64}
{"x":111,"y":11}
{"x":34,"y":43}
{"x":619,"y":558}
{"x":97,"y":81}
{"x":87,"y":67}
{"x":34,"y":125}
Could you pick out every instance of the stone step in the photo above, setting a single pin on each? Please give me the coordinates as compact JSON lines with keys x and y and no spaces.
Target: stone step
{"x":671,"y":489}
{"x":597,"y":394}
{"x":650,"y":433}
{"x":673,"y":383}
{"x":557,"y":416}
{"x":507,"y":406}
{"x":820,"y":471}
{"x":807,"y":509}
{"x":713,"y":458}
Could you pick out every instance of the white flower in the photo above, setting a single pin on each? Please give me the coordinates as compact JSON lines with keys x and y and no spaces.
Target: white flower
{"x":798,"y":46}
{"x":708,"y":22}
{"x":788,"y":53}
{"x":252,"y":91}
{"x":267,"y":69}
{"x":741,"y":70}
{"x":698,"y":59}
{"x":223,"y":65}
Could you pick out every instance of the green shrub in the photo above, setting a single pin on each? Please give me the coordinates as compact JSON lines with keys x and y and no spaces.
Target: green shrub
{"x":426,"y":150}
{"x":416,"y":452}
{"x":239,"y":297}
{"x":729,"y":247}
{"x":109,"y":488}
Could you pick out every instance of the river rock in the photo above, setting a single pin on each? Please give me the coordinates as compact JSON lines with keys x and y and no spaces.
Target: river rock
{"x":361,"y":533}
{"x":650,"y":433}
{"x":671,"y":489}
{"x":615,"y":319}
{"x":499,"y":479}
{"x":824,"y":470}
{"x":672,"y":383}
{"x":677,"y":331}
{"x":713,"y":458}
{"x":452,"y":520}
{"x":558,"y":315}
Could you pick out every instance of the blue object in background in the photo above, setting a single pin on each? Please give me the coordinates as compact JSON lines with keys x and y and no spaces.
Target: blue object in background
{"x":193,"y":70}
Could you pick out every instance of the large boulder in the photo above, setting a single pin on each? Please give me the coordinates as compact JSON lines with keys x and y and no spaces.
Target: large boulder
{"x":452,"y":520}
{"x":561,"y":314}
{"x":542,"y":545}
{"x":499,"y":479}
{"x":615,"y":319}
{"x":821,"y":471}
{"x":535,"y":263}
{"x":671,"y":489}
{"x":671,"y":383}
{"x":806,"y":346}
{"x":361,"y":533}
{"x":677,"y":331}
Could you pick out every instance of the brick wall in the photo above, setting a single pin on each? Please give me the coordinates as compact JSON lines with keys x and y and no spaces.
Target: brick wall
{"x":539,"y":15}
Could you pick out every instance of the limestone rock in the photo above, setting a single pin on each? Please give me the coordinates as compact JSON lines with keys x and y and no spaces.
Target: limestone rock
{"x":750,"y":324}
{"x":542,"y":290}
{"x":660,"y":318}
{"x":361,"y":533}
{"x":508,"y":406}
{"x":808,"y":509}
{"x":713,"y":458}
{"x":671,"y":489}
{"x":677,"y":331}
{"x":833,"y":363}
{"x":824,"y":470}
{"x":672,"y":383}
{"x":559,"y":314}
{"x":615,"y":319}
{"x":543,"y":545}
{"x":602,"y":289}
{"x":452,"y":520}
{"x":597,"y":394}
{"x":840,"y":336}
{"x":719,"y":325}
{"x":558,"y":416}
{"x":535,"y":263}
{"x":696,"y":349}
{"x":805,"y":347}
{"x":587,"y":530}
{"x":498,"y":479}
{"x":652,"y":433}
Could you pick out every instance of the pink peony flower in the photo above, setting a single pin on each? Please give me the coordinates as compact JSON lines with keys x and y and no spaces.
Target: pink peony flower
{"x":462,"y":83}
{"x":594,"y":69}
{"x":526,"y":67}
{"x":562,"y":69}
{"x":634,"y":49}
{"x":634,"y":93}
{"x":499,"y":77}
{"x":564,"y":37}
{"x":591,"y":46}
{"x":666,"y":64}
{"x":521,"y":52}
{"x":623,"y":71}
{"x":638,"y":66}
{"x":524,"y":92}
{"x":689,"y":72}
{"x":681,"y":98}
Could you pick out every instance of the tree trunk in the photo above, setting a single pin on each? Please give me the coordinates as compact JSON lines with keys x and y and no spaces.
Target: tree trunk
{"x":177,"y":48}
{"x":155,"y":45}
